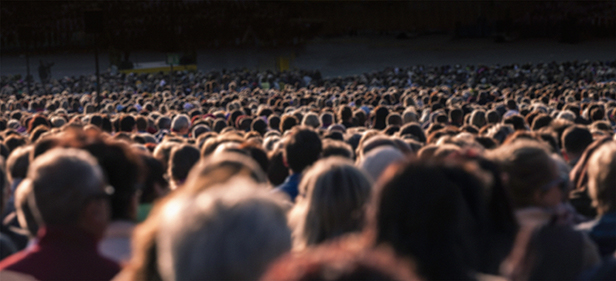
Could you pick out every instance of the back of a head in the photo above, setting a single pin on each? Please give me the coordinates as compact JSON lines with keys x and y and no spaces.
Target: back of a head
{"x":540,"y":254}
{"x":602,"y":178}
{"x":230,"y":232}
{"x":334,"y":262}
{"x":334,"y":196}
{"x":62,"y":180}
{"x":180,"y":123}
{"x":127,"y":123}
{"x":575,"y":139}
{"x":18,"y":162}
{"x":182,"y":158}
{"x":302,"y":148}
{"x":163,"y":122}
{"x":529,"y":167}
{"x":418,"y":211}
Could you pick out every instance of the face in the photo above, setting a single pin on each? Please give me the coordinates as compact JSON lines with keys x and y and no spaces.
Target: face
{"x":550,"y":198}
{"x":96,"y":215}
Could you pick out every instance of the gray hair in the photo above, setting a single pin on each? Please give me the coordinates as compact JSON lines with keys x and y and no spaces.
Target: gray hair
{"x":312,"y":120}
{"x":180,"y":122}
{"x":231,"y":231}
{"x":63,"y":179}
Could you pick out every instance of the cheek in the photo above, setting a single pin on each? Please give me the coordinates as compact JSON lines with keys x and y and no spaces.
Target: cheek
{"x":553,"y":197}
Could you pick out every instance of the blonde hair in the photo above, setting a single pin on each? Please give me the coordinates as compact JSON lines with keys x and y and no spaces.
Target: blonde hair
{"x":333,"y":194}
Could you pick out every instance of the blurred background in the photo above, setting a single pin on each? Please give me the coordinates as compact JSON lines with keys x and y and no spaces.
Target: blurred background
{"x":335,"y":37}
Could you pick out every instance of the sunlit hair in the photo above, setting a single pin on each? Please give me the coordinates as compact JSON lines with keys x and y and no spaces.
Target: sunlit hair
{"x":333,"y":194}
{"x":228,"y":232}
{"x":62,"y":180}
{"x":602,"y":178}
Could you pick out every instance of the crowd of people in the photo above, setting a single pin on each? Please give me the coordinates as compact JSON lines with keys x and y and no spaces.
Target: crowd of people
{"x":417,"y":173}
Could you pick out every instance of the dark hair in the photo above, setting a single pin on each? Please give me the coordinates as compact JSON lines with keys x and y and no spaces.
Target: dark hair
{"x":287,"y":122}
{"x":142,"y":123}
{"x":418,"y":211}
{"x":302,"y":149}
{"x":277,"y":172}
{"x":576,"y":138}
{"x":127,"y":123}
{"x":154,"y":175}
{"x":182,"y":158}
{"x":517,"y":121}
{"x":122,"y":168}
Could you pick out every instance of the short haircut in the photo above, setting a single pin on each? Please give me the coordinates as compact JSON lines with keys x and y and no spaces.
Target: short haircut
{"x":180,"y":122}
{"x":228,"y":232}
{"x":142,"y":123}
{"x":602,"y":177}
{"x":163,"y":122}
{"x":63,"y":179}
{"x":127,"y":123}
{"x":182,"y":158}
{"x":302,"y":148}
{"x":18,"y":162}
{"x":337,"y":148}
{"x":312,"y":120}
{"x":576,"y":138}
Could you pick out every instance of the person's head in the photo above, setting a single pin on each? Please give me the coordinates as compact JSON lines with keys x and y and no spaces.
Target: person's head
{"x":478,"y":118}
{"x":182,"y":158}
{"x":547,"y":252}
{"x":574,"y":141}
{"x":163,"y":123}
{"x":312,"y":120}
{"x":456,"y":116}
{"x":68,"y":188}
{"x":142,"y":123}
{"x":340,"y":262}
{"x":532,"y":175}
{"x":337,"y":148}
{"x":17,"y":163}
{"x":419,"y":210}
{"x":602,"y":178}
{"x":228,"y":232}
{"x":25,"y":215}
{"x":333,"y":194}
{"x":127,"y":123}
{"x":376,"y":161}
{"x":287,"y":122}
{"x":394,"y":119}
{"x":180,"y":124}
{"x":302,"y":148}
{"x":542,"y":120}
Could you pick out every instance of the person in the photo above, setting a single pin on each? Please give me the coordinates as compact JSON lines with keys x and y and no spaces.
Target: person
{"x":7,"y":247}
{"x":602,"y":191}
{"x":420,"y":212}
{"x":227,"y":232}
{"x":44,"y":71}
{"x":341,"y":260}
{"x":302,"y":148}
{"x":574,"y":141}
{"x":70,"y":198}
{"x":332,"y":200}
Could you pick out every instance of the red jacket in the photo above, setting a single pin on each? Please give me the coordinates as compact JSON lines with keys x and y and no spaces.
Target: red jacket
{"x":62,"y":253}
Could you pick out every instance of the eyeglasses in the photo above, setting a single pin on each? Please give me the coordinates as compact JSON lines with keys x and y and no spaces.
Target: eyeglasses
{"x":105,"y":193}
